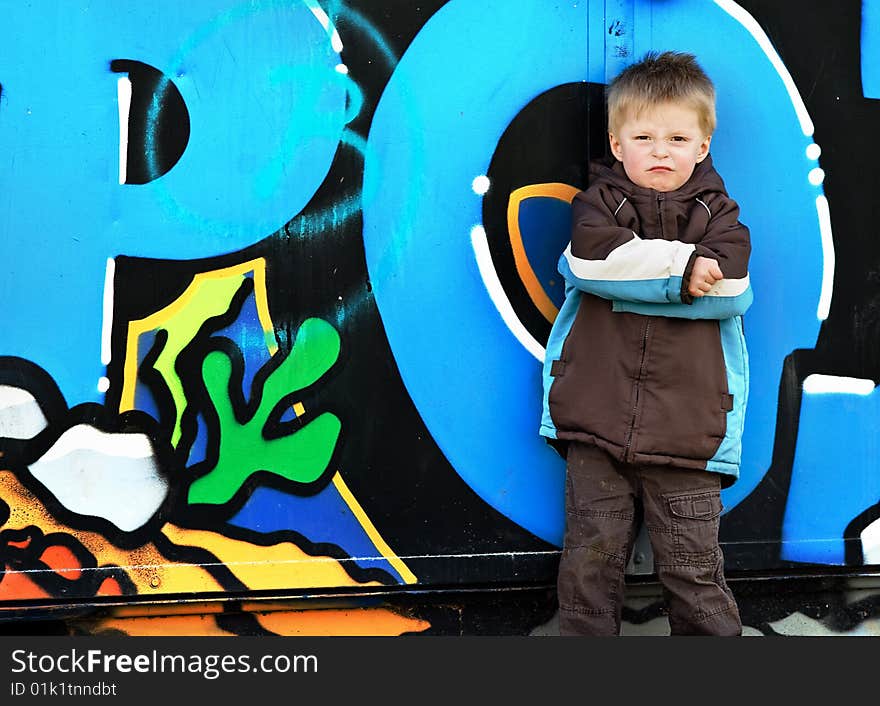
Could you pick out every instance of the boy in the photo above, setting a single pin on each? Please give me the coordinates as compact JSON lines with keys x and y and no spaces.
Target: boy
{"x":646,"y":369}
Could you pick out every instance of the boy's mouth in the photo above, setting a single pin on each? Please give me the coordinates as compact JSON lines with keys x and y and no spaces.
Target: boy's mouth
{"x":660,"y":169}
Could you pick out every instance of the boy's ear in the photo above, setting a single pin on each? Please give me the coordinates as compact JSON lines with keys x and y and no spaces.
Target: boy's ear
{"x":704,"y":149}
{"x":615,"y":146}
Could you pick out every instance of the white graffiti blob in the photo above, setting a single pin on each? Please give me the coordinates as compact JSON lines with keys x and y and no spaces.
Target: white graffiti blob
{"x":20,"y":415}
{"x":870,"y":537}
{"x":89,"y":471}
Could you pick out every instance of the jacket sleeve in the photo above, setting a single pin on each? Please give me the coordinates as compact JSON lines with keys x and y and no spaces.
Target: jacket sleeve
{"x":613,"y":262}
{"x":707,"y":307}
{"x":727,"y":241}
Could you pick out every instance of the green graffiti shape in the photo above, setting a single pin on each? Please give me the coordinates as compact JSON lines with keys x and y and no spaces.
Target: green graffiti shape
{"x":300,"y":457}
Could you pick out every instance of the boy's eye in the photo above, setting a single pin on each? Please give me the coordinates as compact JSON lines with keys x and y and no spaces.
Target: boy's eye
{"x":679,"y":138}
{"x":642,"y":137}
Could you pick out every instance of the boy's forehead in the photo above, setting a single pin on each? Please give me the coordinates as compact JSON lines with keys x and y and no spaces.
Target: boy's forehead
{"x":673,"y":115}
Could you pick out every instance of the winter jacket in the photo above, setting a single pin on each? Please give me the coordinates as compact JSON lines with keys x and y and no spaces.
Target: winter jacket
{"x":634,"y":364}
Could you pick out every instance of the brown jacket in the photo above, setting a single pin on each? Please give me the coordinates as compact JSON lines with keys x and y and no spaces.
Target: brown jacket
{"x":633,"y":363}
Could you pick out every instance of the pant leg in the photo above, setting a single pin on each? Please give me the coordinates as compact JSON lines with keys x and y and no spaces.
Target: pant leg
{"x":682,"y":513}
{"x":599,"y":521}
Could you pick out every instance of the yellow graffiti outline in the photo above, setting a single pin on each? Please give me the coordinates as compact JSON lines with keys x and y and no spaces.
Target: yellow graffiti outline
{"x":371,"y":530}
{"x":155,"y":320}
{"x":555,"y":190}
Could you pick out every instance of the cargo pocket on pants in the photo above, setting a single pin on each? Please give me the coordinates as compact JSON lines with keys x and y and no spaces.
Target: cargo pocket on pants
{"x":695,"y":518}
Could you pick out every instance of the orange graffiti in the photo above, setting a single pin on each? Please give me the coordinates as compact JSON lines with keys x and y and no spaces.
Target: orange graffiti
{"x":354,"y":622}
{"x":17,"y":585}
{"x":173,"y":625}
{"x":307,"y":622}
{"x":150,"y":572}
{"x":61,"y":559}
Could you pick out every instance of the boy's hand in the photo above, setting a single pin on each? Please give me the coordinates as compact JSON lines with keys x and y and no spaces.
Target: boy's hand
{"x":704,"y":274}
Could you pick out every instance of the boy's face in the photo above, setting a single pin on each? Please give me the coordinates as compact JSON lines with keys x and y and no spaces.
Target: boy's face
{"x":660,"y":147}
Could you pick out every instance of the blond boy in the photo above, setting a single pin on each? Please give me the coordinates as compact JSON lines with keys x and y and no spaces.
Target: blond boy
{"x":646,"y":368}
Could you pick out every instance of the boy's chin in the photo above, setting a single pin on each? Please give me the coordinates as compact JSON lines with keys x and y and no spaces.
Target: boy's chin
{"x":662,"y":181}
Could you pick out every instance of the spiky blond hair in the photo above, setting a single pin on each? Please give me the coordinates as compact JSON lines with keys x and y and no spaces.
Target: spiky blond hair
{"x":667,"y":77}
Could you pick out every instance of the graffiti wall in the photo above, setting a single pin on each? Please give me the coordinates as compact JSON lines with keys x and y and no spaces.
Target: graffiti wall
{"x":279,"y":274}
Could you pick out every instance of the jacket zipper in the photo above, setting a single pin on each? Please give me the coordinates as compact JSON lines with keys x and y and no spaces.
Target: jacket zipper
{"x":627,"y":451}
{"x":660,"y":199}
